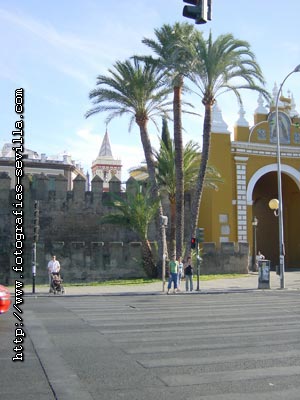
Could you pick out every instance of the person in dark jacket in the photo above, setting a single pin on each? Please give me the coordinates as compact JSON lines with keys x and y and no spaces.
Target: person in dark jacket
{"x":188,"y":273}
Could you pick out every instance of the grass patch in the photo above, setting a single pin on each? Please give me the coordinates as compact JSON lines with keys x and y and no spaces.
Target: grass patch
{"x":124,"y":282}
{"x":137,"y":281}
{"x":141,"y":281}
{"x":220,"y":276}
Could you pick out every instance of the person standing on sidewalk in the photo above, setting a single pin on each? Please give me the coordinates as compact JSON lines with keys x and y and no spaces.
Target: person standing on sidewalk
{"x":188,"y":273}
{"x":173,"y":267}
{"x":259,"y":257}
{"x":180,"y":272}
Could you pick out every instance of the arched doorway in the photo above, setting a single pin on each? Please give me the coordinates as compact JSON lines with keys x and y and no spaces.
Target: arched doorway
{"x":267,"y":230}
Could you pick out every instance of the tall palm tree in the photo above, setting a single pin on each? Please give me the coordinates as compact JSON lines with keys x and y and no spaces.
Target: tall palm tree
{"x":226,"y":64}
{"x":170,"y":38}
{"x":136,"y":88}
{"x":166,"y":176}
{"x":136,"y":211}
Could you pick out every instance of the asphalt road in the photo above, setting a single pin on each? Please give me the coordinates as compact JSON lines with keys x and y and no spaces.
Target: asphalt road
{"x":218,"y":346}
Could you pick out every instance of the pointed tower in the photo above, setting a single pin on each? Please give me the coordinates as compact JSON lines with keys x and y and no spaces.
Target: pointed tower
{"x":105,"y":165}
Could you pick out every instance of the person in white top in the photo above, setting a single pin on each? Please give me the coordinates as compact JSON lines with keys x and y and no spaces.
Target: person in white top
{"x":53,"y":268}
{"x":180,"y":272}
{"x":259,"y":257}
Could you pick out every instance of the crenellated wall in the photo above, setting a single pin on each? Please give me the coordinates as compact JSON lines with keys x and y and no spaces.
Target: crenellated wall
{"x":70,"y":228}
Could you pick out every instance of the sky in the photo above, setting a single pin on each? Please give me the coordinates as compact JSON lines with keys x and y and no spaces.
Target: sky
{"x":54,"y":50}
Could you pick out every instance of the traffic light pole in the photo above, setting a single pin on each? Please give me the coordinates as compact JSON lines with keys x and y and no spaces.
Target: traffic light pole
{"x":36,"y":227}
{"x":198,"y":266}
{"x":199,"y":239}
{"x":164,"y":224}
{"x":33,"y":266}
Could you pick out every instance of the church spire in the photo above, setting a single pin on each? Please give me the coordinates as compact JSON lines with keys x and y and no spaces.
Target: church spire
{"x":105,"y":150}
{"x":105,"y":165}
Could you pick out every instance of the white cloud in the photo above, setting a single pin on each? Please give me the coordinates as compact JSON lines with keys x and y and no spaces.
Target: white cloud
{"x":44,"y":31}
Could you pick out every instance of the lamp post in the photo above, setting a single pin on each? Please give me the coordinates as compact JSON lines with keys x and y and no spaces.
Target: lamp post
{"x":274,"y":206}
{"x":279,"y":183}
{"x":164,"y":224}
{"x":254,"y":224}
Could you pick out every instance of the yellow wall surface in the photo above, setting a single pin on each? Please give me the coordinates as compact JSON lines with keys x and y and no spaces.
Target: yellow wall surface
{"x":217,"y":205}
{"x":254,"y":152}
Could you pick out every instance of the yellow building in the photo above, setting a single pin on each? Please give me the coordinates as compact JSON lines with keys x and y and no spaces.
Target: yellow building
{"x":248,"y":166}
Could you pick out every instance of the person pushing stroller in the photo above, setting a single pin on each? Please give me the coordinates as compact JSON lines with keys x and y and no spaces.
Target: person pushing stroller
{"x":53,"y":269}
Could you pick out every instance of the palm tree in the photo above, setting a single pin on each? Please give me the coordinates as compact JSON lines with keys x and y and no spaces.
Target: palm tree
{"x":166,"y":175}
{"x":138,"y":89}
{"x":136,"y":211}
{"x":226,"y":64}
{"x":168,"y":40}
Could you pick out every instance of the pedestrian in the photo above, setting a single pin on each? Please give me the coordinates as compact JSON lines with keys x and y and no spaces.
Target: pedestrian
{"x":188,"y":273}
{"x":180,"y":272}
{"x":259,"y":257}
{"x":53,"y":268}
{"x":173,"y":268}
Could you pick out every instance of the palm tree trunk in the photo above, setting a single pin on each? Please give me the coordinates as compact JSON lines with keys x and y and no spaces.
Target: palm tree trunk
{"x":195,"y":208}
{"x":149,"y":265}
{"x":172,"y":225}
{"x":142,"y":123}
{"x":178,"y":167}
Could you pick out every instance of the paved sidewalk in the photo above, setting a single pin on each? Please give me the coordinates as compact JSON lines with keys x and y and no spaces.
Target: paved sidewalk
{"x":247,"y":282}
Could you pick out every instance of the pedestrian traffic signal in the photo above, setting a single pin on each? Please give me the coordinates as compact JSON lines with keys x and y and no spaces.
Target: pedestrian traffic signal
{"x":200,"y":235}
{"x":36,"y":231}
{"x":193,"y":243}
{"x":200,"y":10}
{"x":36,"y":213}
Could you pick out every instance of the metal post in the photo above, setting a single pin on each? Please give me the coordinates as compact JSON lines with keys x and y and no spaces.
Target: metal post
{"x":198,"y":265}
{"x":36,"y":227}
{"x":33,"y":266}
{"x":279,"y":183}
{"x":254,"y":224}
{"x":164,"y":258}
{"x":164,"y":224}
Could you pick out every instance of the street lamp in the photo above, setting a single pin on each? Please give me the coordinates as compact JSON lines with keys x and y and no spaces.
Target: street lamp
{"x":274,"y":205}
{"x":254,"y":224}
{"x":279,"y":183}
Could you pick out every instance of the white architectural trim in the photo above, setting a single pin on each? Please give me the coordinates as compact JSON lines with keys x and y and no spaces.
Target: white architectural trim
{"x":241,"y":188}
{"x":287,"y":169}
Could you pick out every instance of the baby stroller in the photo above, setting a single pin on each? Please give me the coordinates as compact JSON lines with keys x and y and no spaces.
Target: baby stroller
{"x":56,"y":283}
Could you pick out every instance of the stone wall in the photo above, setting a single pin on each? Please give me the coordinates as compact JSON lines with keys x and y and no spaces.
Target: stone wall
{"x":95,"y":261}
{"x":231,"y":258}
{"x":70,"y":228}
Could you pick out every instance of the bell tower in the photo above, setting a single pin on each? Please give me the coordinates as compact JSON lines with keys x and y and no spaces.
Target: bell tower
{"x":105,"y":165}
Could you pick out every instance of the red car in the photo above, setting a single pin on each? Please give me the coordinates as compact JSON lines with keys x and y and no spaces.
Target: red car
{"x":4,"y":299}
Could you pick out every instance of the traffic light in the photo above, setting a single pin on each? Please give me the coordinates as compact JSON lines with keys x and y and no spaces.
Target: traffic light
{"x":193,"y":243}
{"x":36,"y":221}
{"x":200,"y":10}
{"x":200,"y":235}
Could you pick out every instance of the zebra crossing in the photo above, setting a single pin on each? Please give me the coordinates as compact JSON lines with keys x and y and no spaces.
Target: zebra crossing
{"x":204,"y":346}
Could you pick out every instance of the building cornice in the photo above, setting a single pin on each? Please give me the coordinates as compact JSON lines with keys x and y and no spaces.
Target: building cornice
{"x":264,"y":150}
